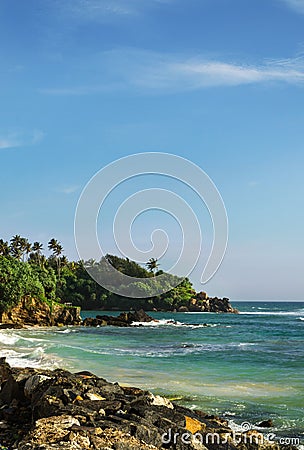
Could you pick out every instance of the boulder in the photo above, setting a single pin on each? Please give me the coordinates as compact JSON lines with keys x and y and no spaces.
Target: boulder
{"x":266,"y":424}
{"x":183,"y":309}
{"x":32,"y":383}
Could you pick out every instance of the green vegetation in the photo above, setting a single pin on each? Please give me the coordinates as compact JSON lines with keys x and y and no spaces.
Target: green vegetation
{"x":26,"y":271}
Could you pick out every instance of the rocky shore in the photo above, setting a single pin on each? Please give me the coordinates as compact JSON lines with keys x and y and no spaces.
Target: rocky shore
{"x":44,"y":410}
{"x":202,"y":303}
{"x":32,"y":311}
{"x":123,"y":320}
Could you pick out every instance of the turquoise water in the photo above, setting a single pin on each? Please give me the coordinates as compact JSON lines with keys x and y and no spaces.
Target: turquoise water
{"x":246,"y":367}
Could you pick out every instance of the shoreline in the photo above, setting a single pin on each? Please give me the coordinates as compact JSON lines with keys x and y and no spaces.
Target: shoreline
{"x":82,"y":411}
{"x":125,"y":367}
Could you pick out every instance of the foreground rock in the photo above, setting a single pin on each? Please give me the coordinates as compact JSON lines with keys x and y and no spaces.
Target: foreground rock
{"x":123,"y":320}
{"x":31,"y":311}
{"x":43,"y":409}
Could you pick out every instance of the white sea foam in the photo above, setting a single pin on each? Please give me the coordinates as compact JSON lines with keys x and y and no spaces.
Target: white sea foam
{"x":172,"y":322}
{"x":8,"y":338}
{"x":158,"y":323}
{"x":65,"y":331}
{"x":25,"y":351}
{"x":236,"y":427}
{"x":270,"y":313}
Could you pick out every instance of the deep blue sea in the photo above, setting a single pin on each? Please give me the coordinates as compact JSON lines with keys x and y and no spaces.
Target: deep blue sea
{"x":245,"y":367}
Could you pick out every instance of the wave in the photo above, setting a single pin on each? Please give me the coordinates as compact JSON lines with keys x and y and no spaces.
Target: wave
{"x":157,"y":351}
{"x":172,"y":322}
{"x":36,"y":358}
{"x":301,"y":318}
{"x":158,"y":323}
{"x":65,"y":331}
{"x":8,"y":339}
{"x":26,"y":351}
{"x":270,"y":313}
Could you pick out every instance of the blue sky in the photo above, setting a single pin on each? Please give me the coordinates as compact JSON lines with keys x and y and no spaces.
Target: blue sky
{"x":220,"y":82}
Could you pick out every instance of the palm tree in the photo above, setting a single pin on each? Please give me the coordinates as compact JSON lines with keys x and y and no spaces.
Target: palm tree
{"x":64,"y":261}
{"x":37,"y":247}
{"x":52,"y":244}
{"x":25,"y":247}
{"x":4,"y":248}
{"x":15,"y":247}
{"x":152,"y":265}
{"x":28,"y":249}
{"x":90,"y":263}
{"x":57,"y":250}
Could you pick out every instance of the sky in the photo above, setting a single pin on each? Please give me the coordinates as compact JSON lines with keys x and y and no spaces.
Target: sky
{"x":218,"y":82}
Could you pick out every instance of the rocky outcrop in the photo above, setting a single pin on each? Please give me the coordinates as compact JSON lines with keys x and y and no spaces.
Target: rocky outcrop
{"x":123,"y":320}
{"x":32,"y":311}
{"x":203,"y":303}
{"x":44,"y":409}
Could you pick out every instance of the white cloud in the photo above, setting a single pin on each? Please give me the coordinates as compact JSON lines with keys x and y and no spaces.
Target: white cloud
{"x":67,"y":189}
{"x":196,"y":73}
{"x":297,"y":5}
{"x":20,"y":139}
{"x":151,"y":71}
{"x":8,"y":142}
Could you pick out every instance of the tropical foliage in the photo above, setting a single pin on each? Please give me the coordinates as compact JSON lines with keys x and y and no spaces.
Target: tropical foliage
{"x":25,"y":270}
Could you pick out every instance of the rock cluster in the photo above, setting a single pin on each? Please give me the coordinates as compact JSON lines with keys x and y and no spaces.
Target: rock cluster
{"x":123,"y":320}
{"x":32,"y":311}
{"x":202,"y":303}
{"x":44,"y":410}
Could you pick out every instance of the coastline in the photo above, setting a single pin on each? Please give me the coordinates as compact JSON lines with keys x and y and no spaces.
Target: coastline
{"x":59,"y":409}
{"x":96,"y":353}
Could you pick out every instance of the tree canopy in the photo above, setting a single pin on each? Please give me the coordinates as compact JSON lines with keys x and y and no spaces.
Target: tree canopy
{"x":26,"y":270}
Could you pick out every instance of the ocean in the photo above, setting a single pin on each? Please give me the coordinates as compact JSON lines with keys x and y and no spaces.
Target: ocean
{"x":245,"y":368}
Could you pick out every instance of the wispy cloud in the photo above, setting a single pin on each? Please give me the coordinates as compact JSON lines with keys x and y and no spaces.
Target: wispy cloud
{"x":80,"y":89}
{"x":145,"y":70}
{"x":8,"y":142}
{"x":253,"y":183}
{"x":20,"y":139}
{"x":297,"y":5}
{"x":67,"y":189}
{"x":100,"y":10}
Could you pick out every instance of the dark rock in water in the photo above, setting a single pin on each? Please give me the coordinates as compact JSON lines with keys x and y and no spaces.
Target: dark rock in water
{"x":183,"y":309}
{"x":139,"y":316}
{"x":6,"y":326}
{"x":59,"y":410}
{"x":123,"y":320}
{"x":35,"y":312}
{"x":266,"y":424}
{"x":203,"y":303}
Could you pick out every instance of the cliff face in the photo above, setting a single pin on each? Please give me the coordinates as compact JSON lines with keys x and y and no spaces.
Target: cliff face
{"x":32,"y":311}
